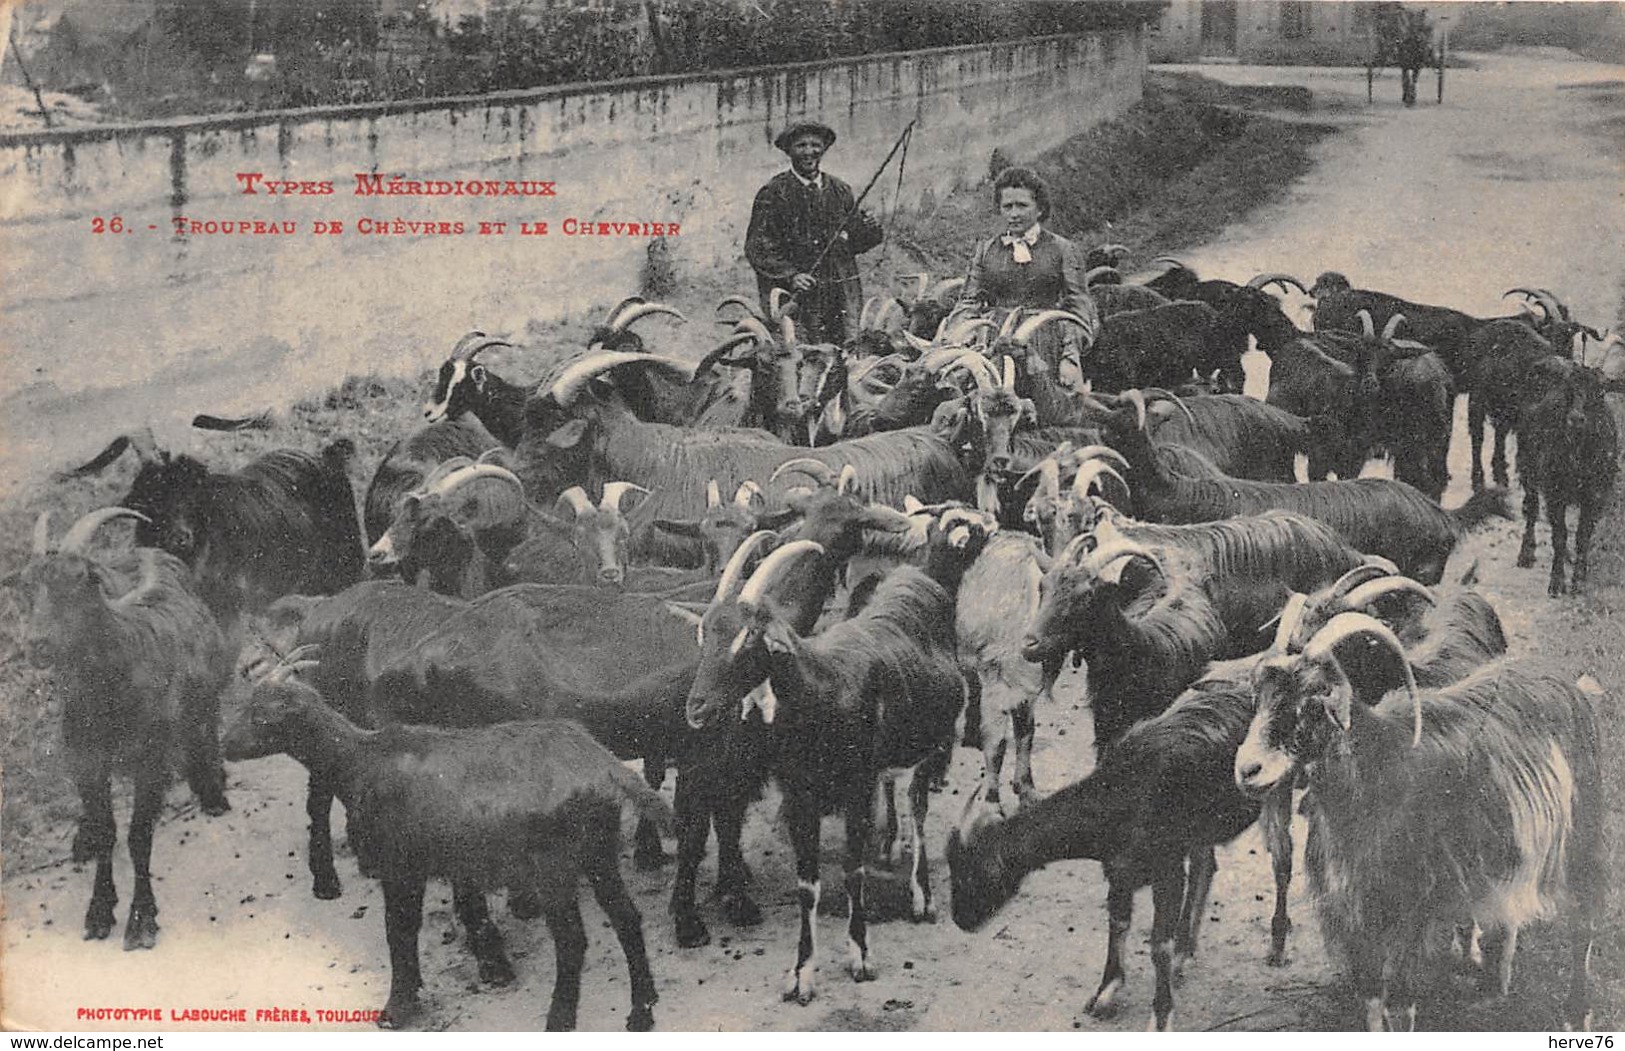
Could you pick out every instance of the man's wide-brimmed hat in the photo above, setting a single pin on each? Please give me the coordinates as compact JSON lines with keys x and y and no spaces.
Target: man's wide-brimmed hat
{"x":805,"y":127}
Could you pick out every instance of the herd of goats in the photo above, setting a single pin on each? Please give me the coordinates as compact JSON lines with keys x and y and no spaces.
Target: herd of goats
{"x":831,"y":565}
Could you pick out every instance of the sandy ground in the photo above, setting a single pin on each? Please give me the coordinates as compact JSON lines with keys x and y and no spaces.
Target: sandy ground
{"x":1508,"y":183}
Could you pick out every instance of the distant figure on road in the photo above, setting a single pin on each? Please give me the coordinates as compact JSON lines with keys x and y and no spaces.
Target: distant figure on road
{"x":805,"y":238}
{"x":1029,"y":269}
{"x":1415,"y":52}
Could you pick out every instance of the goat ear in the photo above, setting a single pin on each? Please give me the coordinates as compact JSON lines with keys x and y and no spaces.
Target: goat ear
{"x":569,"y":435}
{"x":476,"y":375}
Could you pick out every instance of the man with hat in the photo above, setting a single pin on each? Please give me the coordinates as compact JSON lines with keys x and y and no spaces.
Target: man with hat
{"x":805,"y":238}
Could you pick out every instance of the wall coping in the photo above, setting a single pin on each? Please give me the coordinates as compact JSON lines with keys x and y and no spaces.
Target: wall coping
{"x":512,"y":96}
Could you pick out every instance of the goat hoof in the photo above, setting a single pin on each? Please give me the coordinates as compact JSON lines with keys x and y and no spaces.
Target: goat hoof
{"x":641,"y":1020}
{"x":1276,"y":958}
{"x":215,"y":807}
{"x":1104,"y":1003}
{"x":692,"y":932}
{"x":741,"y":911}
{"x":141,"y":932}
{"x":326,"y":886}
{"x":927,"y":914}
{"x":561,"y":1022}
{"x":399,"y":1012}
{"x":798,"y":985}
{"x":1525,"y":559}
{"x":98,"y":923}
{"x":496,"y":970}
{"x":1555,"y":589}
{"x":524,"y":904}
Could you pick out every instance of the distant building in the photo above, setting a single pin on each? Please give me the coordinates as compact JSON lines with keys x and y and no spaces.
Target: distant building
{"x":1322,"y":32}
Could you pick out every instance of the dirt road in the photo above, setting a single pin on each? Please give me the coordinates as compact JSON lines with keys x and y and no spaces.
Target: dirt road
{"x":1515,"y":181}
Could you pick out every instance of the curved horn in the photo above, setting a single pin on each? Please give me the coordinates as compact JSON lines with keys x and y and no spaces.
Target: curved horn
{"x":787,"y":328}
{"x":1100,"y":452}
{"x":612,"y":320}
{"x":1290,"y":617}
{"x":615,"y":492}
{"x":807,"y":465}
{"x":1137,"y":399}
{"x":1091,"y":472}
{"x":1346,"y":625}
{"x":849,"y":475}
{"x":922,"y":281}
{"x":576,"y":499}
{"x":749,"y":495}
{"x":42,"y":534}
{"x":966,"y":328}
{"x":888,"y":307}
{"x":713,"y":494}
{"x":1393,"y":324}
{"x":756,"y":327}
{"x":773,"y":567}
{"x":1545,"y":295}
{"x":1009,"y":380}
{"x":1107,"y":554}
{"x":642,"y":310}
{"x":78,"y":535}
{"x":716,"y":353}
{"x":737,"y":301}
{"x":920,"y":345}
{"x":1367,"y":323}
{"x":1169,"y":261}
{"x":1354,"y":578}
{"x":1098,"y":272}
{"x":1042,"y":318}
{"x":471,"y":344}
{"x":733,"y":574}
{"x":1266,"y":280}
{"x":866,"y":315}
{"x":1372,"y":590}
{"x":569,"y":385}
{"x":460,"y":477}
{"x":1009,"y":324}
{"x":943,"y":287}
{"x":978,"y":367}
{"x":775,"y":302}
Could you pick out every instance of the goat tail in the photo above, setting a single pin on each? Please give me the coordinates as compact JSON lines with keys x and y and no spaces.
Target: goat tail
{"x":1480,"y":508}
{"x":648,"y":803}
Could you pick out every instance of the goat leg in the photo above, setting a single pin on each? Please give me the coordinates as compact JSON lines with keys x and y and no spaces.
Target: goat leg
{"x":1167,"y":890}
{"x":1203,"y":864}
{"x":604,"y":873}
{"x":403,"y":917}
{"x":324,"y":878}
{"x":204,"y":771}
{"x":859,"y":822}
{"x":1024,"y":725}
{"x":1275,"y":820}
{"x":1557,"y":517}
{"x":94,"y":841}
{"x":1498,"y":949}
{"x":1589,"y":509}
{"x":732,"y":874}
{"x":141,"y":930}
{"x":803,"y":825}
{"x":1531,"y":514}
{"x":563,"y":914}
{"x":1475,"y":438}
{"x":693,"y":805}
{"x":647,"y":852}
{"x":1119,"y":917}
{"x":919,"y":864}
{"x":484,"y":939}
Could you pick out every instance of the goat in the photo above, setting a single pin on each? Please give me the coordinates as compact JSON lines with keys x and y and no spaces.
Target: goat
{"x":533,"y":804}
{"x":284,"y":523}
{"x":1155,"y":347}
{"x":1375,"y":515}
{"x":1243,"y":437}
{"x":459,"y":526}
{"x":1241,"y":311}
{"x":878,"y":692}
{"x":1164,"y":792}
{"x":1569,"y":454}
{"x":730,"y":763}
{"x":1145,"y":640}
{"x":676,"y":462}
{"x":412,"y":459}
{"x":1479,"y":800}
{"x":140,"y":672}
{"x":723,"y":526}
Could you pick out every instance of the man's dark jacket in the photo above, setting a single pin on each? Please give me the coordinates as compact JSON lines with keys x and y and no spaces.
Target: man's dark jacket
{"x":789,"y":226}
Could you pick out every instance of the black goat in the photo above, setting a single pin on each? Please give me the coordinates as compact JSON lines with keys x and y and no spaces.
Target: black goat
{"x":1164,"y":792}
{"x":412,"y":459}
{"x":140,"y":671}
{"x":1375,"y":515}
{"x":1241,"y":436}
{"x":1159,"y":347}
{"x":1242,"y":310}
{"x":878,"y":692}
{"x":285,"y":523}
{"x":525,"y":804}
{"x":1568,"y":454}
{"x":1405,"y":795}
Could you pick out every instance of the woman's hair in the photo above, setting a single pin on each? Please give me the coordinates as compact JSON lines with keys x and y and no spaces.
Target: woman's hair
{"x":1018,"y":178}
